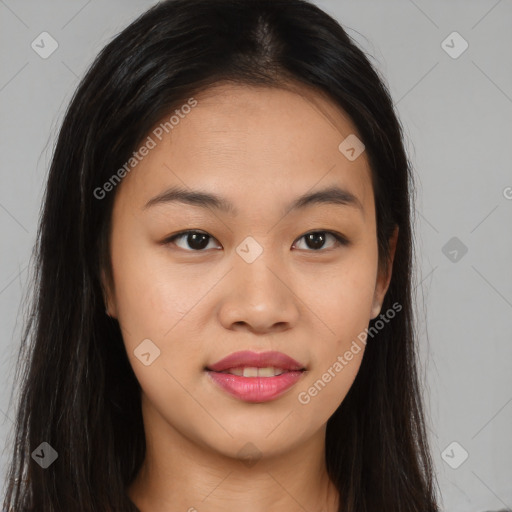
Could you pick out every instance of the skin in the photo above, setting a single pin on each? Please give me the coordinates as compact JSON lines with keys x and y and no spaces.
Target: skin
{"x":260,"y":148}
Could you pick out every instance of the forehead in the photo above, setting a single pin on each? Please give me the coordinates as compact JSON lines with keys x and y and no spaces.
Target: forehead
{"x":258,"y":145}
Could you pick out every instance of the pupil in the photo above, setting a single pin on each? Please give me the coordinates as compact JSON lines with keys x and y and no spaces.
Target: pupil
{"x":197,"y":240}
{"x":317,"y":240}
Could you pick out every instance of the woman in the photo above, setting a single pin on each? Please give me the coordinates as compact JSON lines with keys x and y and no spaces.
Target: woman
{"x":223,"y":316}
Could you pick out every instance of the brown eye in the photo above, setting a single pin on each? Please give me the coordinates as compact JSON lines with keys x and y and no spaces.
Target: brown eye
{"x":194,"y":241}
{"x":315,"y":240}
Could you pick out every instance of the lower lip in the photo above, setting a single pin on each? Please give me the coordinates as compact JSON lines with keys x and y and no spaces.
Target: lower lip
{"x":256,"y":389}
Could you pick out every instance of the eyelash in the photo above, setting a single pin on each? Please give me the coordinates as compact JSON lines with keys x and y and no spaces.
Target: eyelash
{"x":340,"y":239}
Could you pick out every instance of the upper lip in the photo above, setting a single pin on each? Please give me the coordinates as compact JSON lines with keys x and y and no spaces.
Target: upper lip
{"x":246,"y":358}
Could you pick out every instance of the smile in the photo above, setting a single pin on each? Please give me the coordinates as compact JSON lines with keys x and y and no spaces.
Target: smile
{"x":256,"y":377}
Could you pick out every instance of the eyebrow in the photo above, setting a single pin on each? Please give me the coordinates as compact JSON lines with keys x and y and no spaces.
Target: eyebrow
{"x":331,"y":195}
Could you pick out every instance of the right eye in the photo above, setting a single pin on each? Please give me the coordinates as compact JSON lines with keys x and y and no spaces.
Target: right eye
{"x":197,"y":241}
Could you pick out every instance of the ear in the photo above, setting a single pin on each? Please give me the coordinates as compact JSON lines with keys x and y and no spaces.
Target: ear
{"x":108,"y":295}
{"x":384,"y":276}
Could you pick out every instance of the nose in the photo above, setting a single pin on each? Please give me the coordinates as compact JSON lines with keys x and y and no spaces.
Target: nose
{"x":258,"y":297}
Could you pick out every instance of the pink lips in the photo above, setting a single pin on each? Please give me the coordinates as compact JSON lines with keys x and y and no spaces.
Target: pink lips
{"x":256,"y":360}
{"x":256,"y":389}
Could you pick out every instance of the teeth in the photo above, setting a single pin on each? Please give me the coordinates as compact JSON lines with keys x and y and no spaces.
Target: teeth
{"x":252,"y":372}
{"x":268,"y":372}
{"x":255,"y":372}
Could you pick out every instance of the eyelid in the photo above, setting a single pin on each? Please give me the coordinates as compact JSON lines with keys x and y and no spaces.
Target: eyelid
{"x":341,"y":240}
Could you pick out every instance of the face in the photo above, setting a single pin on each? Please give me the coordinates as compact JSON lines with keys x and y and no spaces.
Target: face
{"x":238,"y":262}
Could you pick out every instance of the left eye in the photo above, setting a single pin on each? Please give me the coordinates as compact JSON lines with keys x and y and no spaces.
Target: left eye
{"x":316,"y":239}
{"x":198,"y":240}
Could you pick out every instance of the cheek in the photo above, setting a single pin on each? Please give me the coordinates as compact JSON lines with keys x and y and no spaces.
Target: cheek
{"x":160,"y":302}
{"x":152,"y":305}
{"x":341,"y":301}
{"x":151,"y":296}
{"x":340,"y":298}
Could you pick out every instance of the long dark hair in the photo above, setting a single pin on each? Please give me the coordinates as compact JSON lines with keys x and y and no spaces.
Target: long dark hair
{"x":78,"y":392}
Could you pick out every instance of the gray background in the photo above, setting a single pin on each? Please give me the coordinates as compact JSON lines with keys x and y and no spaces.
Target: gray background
{"x":457,"y":115}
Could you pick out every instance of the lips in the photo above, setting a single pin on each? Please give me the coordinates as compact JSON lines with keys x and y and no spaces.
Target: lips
{"x":248,"y":359}
{"x":256,"y":377}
